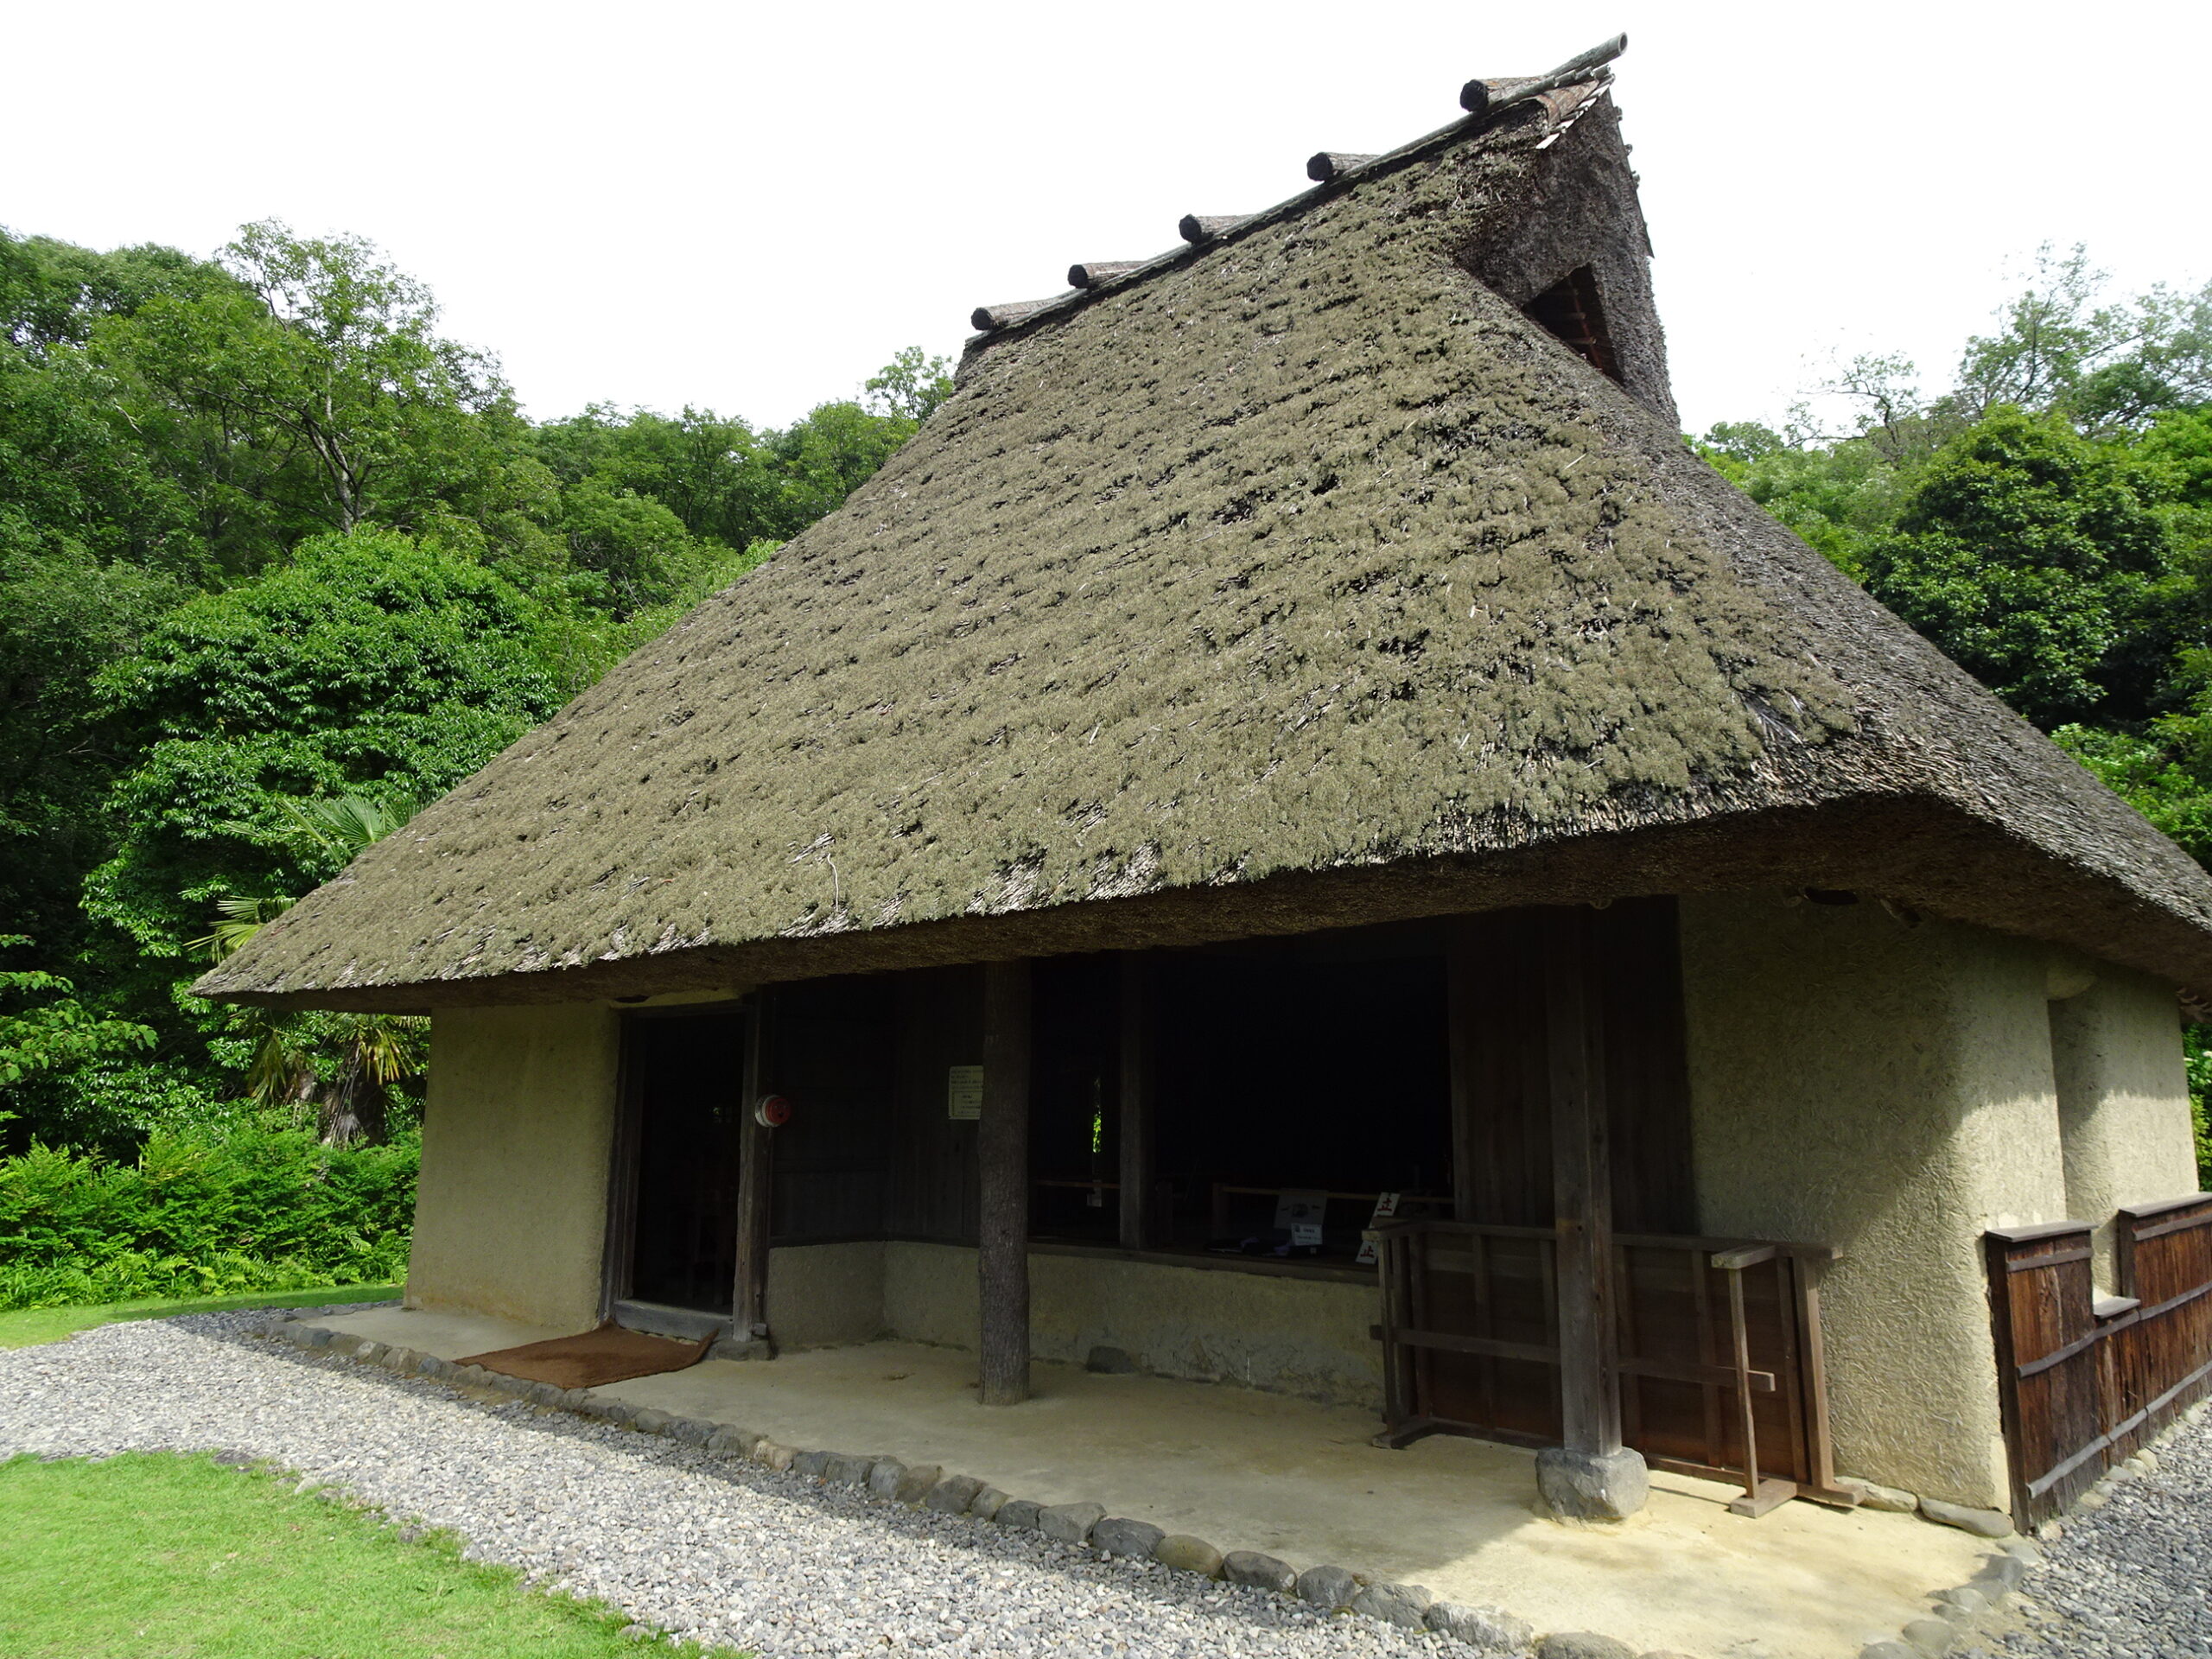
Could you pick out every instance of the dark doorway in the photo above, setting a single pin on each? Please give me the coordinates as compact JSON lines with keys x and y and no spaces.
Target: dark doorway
{"x":686,"y":1080}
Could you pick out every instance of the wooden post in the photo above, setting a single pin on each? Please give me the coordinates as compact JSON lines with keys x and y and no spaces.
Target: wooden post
{"x":749,"y":1293}
{"x":1134,"y":1117}
{"x":1003,"y":1172}
{"x":1582,"y":1188}
{"x":1590,"y":1475}
{"x":1460,"y":1015}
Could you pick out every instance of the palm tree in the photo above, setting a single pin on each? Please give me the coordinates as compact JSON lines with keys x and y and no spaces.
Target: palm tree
{"x":341,"y":1066}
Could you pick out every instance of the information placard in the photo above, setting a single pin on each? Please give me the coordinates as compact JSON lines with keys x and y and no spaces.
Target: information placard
{"x":963,"y":1092}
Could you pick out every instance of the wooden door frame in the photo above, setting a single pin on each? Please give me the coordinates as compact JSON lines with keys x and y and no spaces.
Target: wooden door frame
{"x":618,"y":1251}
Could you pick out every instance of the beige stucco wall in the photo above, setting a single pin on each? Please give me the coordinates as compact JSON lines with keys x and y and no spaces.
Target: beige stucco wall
{"x":511,"y":1212}
{"x":2123,"y":1099}
{"x":1292,"y":1336}
{"x":1888,"y":1091}
{"x":821,"y":1295}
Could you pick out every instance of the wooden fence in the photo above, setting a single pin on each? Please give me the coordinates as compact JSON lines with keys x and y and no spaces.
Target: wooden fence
{"x":2087,"y":1379}
{"x":1720,"y":1370}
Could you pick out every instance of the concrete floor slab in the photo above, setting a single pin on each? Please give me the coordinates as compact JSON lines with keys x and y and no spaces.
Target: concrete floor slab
{"x":1253,"y":1471}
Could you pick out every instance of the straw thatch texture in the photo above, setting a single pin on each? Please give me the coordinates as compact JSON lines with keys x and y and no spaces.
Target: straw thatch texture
{"x":1303,"y":581}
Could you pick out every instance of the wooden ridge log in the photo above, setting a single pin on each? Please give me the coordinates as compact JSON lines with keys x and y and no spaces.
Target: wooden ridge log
{"x":1204,"y":227}
{"x":1334,"y":163}
{"x":1101,"y":271}
{"x":989,"y":317}
{"x":1482,"y":97}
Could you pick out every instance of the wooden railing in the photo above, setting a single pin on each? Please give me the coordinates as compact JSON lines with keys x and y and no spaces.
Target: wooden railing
{"x":2088,"y":1379}
{"x":1719,"y":1368}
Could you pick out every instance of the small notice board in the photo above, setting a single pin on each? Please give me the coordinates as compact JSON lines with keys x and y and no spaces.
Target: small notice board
{"x":963,"y":1092}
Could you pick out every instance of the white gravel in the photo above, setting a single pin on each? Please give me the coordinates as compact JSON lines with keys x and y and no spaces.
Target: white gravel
{"x":721,"y":1551}
{"x":2127,"y":1581}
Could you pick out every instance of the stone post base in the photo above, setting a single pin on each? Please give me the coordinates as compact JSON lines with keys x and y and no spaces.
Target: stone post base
{"x":1584,"y":1486}
{"x":746,"y":1348}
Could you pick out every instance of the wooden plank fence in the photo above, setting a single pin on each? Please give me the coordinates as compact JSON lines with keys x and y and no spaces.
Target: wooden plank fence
{"x":2085,"y":1380}
{"x":1719,"y":1367}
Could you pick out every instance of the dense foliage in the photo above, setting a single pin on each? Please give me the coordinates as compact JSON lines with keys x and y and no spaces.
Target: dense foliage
{"x":271,"y":544}
{"x":2047,"y":521}
{"x":203,"y":1216}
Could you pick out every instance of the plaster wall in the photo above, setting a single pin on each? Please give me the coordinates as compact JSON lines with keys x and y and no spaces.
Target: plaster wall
{"x":1888,"y":1091}
{"x":2123,"y":1101}
{"x":511,"y":1211}
{"x":1289,"y":1336}
{"x":821,"y":1295}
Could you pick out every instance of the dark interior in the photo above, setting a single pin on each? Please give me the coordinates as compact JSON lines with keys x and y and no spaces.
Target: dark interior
{"x":1318,"y":1064}
{"x":1569,"y":309}
{"x":686,"y":1084}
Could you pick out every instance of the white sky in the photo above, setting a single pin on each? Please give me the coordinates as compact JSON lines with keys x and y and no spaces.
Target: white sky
{"x":751,"y":208}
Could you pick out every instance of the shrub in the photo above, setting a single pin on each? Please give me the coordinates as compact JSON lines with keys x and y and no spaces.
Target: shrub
{"x":198,"y":1216}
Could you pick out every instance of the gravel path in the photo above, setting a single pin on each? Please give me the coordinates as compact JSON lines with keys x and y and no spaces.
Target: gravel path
{"x":2131,"y":1580}
{"x":721,"y":1551}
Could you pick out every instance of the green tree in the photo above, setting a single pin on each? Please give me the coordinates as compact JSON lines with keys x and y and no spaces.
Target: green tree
{"x":56,"y":1035}
{"x":312,"y":393}
{"x":343,"y":1067}
{"x":910,"y":386}
{"x":372,"y":664}
{"x":2104,"y":367}
{"x":2038,"y":561}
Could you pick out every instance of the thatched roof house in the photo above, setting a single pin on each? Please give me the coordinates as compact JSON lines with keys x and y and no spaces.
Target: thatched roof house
{"x":1342,"y":566}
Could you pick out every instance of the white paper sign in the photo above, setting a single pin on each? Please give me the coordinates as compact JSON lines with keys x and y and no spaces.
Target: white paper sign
{"x":1386,"y":1205}
{"x":963,"y":1092}
{"x":1300,"y":1214}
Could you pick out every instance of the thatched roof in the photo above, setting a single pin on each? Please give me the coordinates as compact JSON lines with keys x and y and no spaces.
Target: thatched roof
{"x":1292,"y":579}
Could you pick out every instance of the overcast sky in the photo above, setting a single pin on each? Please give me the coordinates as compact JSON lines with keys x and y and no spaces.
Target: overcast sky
{"x":750,"y":209}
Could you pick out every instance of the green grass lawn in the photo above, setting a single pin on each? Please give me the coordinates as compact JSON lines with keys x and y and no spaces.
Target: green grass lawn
{"x":153,"y":1555}
{"x":30,"y":1325}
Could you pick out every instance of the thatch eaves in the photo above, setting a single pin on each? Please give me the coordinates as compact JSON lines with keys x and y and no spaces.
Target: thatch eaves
{"x":1293,"y":579}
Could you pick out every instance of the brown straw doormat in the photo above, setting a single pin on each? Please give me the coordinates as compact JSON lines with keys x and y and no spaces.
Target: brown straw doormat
{"x":610,"y":1354}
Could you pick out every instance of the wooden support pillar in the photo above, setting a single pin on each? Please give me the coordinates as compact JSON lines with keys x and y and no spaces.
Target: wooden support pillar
{"x":1591,"y":1476}
{"x":1461,"y":1011}
{"x":1582,"y":1188}
{"x":1134,"y":1117}
{"x":1002,"y":1173}
{"x":748,"y":1332}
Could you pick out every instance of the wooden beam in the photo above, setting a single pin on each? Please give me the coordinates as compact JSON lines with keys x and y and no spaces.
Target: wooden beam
{"x":1003,"y":1172}
{"x":755,"y":1185}
{"x":1582,"y":1188}
{"x":1134,"y":1117}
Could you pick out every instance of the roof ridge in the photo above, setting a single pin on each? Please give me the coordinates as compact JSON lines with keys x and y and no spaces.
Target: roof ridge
{"x":1564,"y":93}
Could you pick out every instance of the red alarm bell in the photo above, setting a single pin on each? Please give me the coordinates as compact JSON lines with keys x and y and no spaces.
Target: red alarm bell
{"x":773,"y":1112}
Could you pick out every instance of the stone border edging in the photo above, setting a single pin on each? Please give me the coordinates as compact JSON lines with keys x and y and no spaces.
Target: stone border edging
{"x":1329,"y":1588}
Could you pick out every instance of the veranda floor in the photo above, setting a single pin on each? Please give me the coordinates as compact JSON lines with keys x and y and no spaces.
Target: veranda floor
{"x":1253,"y":1471}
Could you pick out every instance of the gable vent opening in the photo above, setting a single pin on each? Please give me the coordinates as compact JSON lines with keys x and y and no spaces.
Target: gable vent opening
{"x":1569,"y":310}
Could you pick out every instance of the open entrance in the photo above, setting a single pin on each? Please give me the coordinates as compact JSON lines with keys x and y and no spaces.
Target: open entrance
{"x":685,"y":1084}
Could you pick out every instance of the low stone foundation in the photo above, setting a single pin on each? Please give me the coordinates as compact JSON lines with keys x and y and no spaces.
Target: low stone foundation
{"x":1303,"y":1337}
